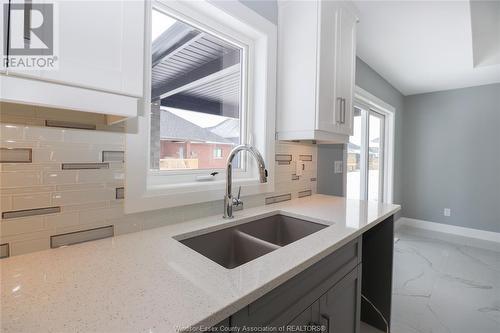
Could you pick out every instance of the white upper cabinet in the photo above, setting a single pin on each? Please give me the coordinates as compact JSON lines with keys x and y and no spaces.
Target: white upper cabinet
{"x":316,"y":70}
{"x":346,"y":68}
{"x":99,"y":47}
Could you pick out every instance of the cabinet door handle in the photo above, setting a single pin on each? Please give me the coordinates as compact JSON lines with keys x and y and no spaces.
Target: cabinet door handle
{"x":312,"y":324}
{"x":343,"y":111}
{"x":325,"y":322}
{"x":338,"y":115}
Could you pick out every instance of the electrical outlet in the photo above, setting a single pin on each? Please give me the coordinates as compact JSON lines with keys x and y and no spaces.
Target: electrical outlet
{"x":447,"y":212}
{"x":338,"y":166}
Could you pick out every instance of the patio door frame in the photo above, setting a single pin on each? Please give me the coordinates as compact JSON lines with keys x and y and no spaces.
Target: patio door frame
{"x":372,"y":113}
{"x":376,"y":107}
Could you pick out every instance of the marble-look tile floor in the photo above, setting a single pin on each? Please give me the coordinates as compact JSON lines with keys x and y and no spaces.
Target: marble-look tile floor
{"x":365,"y":328}
{"x":444,"y":286}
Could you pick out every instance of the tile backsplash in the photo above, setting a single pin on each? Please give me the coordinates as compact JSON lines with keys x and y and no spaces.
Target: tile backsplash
{"x":75,"y":179}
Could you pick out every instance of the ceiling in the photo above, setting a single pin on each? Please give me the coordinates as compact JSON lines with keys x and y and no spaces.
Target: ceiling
{"x":424,"y":46}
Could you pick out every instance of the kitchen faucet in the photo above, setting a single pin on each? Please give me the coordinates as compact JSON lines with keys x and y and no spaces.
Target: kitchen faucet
{"x":229,"y":201}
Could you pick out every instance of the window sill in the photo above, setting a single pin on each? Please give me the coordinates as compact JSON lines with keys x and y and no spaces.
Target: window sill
{"x":167,"y":196}
{"x":199,"y":185}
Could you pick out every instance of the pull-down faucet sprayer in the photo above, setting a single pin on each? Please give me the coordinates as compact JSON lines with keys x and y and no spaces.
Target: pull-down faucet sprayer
{"x":229,"y":201}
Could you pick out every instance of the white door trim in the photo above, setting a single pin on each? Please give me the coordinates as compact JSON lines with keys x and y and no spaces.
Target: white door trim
{"x":372,"y":113}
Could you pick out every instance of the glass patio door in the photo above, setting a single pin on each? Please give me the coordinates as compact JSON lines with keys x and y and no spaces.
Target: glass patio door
{"x":365,"y":155}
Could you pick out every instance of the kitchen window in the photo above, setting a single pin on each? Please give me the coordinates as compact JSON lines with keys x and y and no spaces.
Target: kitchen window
{"x":370,"y":150}
{"x":198,"y":93}
{"x":210,"y":74}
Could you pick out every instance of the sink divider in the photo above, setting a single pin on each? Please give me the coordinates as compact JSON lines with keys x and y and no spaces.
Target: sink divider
{"x":262,"y":242}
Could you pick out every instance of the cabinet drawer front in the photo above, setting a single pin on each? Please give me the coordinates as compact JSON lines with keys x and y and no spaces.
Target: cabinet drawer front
{"x":284,"y":302}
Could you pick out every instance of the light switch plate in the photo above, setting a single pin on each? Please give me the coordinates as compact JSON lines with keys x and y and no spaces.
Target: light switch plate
{"x":338,"y":166}
{"x":299,"y":168}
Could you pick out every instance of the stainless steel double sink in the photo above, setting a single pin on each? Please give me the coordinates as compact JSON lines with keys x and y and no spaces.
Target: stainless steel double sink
{"x":234,"y":246}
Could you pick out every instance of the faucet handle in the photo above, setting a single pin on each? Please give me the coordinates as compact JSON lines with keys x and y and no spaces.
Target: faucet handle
{"x":237,"y":203}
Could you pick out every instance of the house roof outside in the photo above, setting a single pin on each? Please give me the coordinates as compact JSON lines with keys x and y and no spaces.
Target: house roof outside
{"x":173,"y":127}
{"x":228,"y":129}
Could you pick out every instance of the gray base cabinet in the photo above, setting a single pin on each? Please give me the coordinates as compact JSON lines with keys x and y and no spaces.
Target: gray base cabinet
{"x":326,"y":295}
{"x":308,"y":317}
{"x":336,"y":311}
{"x":340,"y":306}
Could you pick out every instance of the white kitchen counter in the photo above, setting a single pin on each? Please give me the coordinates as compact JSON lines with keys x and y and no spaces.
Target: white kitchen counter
{"x":149,"y":282}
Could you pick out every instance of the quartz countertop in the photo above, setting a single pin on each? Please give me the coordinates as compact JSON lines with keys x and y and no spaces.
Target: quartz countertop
{"x":149,"y":282}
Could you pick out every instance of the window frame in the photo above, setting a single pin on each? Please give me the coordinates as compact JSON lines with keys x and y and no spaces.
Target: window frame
{"x":146,"y":190}
{"x":189,"y":175}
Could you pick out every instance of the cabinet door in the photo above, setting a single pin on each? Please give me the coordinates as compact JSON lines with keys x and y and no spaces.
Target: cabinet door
{"x":346,"y":66}
{"x":309,"y":317}
{"x":340,"y":306}
{"x":100,"y":46}
{"x":328,"y":102}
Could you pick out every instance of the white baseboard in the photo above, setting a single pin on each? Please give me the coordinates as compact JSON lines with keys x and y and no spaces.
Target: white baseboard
{"x":449,"y":229}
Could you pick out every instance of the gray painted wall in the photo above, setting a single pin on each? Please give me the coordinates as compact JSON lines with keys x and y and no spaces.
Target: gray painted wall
{"x":375,"y":84}
{"x":330,"y":182}
{"x":451,"y":157}
{"x":371,"y":81}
